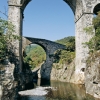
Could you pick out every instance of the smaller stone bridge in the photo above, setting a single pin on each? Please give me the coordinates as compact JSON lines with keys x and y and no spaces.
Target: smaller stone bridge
{"x":50,"y":47}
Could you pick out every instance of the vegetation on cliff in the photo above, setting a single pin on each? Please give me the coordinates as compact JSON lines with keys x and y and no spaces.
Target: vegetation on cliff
{"x":67,"y":56}
{"x":69,"y":42}
{"x":94,"y":43}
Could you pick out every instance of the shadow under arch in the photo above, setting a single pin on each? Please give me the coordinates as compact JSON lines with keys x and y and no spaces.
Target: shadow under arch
{"x":96,"y":9}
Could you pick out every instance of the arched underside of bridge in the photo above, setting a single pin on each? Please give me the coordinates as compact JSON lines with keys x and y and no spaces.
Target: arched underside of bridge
{"x":83,"y":12}
{"x":49,"y":47}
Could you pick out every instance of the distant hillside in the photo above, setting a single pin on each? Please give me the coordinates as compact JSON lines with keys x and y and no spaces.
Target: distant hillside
{"x":66,"y":39}
{"x":69,"y":42}
{"x":36,"y":55}
{"x":30,"y":47}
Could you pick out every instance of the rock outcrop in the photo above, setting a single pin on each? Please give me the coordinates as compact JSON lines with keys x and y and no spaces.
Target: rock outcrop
{"x":92,"y":75}
{"x":8,"y":86}
{"x":11,"y":82}
{"x":63,"y":72}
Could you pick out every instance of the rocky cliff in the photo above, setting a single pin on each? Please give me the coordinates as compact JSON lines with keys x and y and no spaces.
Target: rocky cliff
{"x":8,"y":86}
{"x":92,"y":75}
{"x":63,"y":72}
{"x":11,"y":82}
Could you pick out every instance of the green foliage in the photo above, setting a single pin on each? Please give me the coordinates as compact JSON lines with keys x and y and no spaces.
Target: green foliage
{"x":66,"y":56}
{"x":6,"y":37}
{"x":35,"y":55}
{"x":89,"y":30}
{"x":96,"y":23}
{"x":69,"y":42}
{"x":94,"y":43}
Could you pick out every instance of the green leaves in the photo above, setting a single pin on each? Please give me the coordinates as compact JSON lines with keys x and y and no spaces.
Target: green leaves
{"x":94,"y":42}
{"x":89,"y":30}
{"x":35,"y":55}
{"x":96,"y":21}
{"x":6,"y":38}
{"x":66,"y":56}
{"x":69,"y":42}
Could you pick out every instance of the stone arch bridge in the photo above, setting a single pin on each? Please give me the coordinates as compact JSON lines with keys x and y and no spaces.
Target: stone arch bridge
{"x":83,"y":11}
{"x":50,"y":48}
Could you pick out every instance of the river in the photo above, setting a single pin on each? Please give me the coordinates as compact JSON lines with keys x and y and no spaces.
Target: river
{"x":62,"y":91}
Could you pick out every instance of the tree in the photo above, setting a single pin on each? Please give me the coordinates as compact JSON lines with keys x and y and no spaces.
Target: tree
{"x":69,"y":42}
{"x":6,"y":38}
{"x":96,"y":23}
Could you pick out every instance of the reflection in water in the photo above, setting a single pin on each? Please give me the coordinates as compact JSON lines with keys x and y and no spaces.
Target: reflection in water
{"x":64,"y":91}
{"x":44,"y":82}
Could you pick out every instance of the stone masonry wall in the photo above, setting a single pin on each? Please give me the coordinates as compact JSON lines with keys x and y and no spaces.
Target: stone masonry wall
{"x":81,"y":51}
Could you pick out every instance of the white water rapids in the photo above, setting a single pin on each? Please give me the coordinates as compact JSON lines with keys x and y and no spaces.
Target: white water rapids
{"x":39,"y":91}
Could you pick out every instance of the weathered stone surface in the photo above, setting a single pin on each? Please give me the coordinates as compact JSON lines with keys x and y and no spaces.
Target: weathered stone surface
{"x":11,"y":83}
{"x":7,"y":84}
{"x":92,"y":75}
{"x":81,"y":51}
{"x":1,"y":90}
{"x":63,"y":72}
{"x":83,"y":11}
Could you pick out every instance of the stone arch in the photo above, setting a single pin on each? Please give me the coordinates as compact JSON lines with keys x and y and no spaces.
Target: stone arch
{"x":96,"y":8}
{"x":82,"y":19}
{"x":74,"y":4}
{"x":26,"y":42}
{"x":77,"y":8}
{"x":83,"y":11}
{"x":49,"y":47}
{"x":36,"y":44}
{"x":90,"y":4}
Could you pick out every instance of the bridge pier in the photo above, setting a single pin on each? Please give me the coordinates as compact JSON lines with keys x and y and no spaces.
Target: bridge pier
{"x":46,"y":68}
{"x":82,"y":51}
{"x":15,"y":16}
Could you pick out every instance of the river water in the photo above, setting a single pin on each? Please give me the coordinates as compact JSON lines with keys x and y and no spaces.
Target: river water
{"x":63,"y":91}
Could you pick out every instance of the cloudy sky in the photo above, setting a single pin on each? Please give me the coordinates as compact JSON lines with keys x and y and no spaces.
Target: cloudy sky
{"x":47,"y":19}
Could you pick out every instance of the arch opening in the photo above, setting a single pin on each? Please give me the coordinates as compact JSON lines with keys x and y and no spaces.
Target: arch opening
{"x":49,"y":21}
{"x":96,"y":9}
{"x":35,"y":55}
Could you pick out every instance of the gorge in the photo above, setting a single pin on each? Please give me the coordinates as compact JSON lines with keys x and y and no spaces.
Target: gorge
{"x":14,"y":77}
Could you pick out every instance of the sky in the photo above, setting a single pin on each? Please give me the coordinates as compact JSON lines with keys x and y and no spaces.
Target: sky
{"x":46,"y":19}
